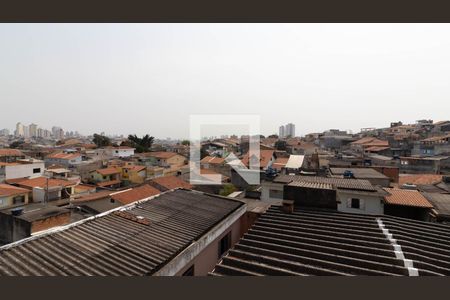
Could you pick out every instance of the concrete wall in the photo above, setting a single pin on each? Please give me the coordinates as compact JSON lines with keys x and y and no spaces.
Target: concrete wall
{"x":121,"y":152}
{"x":9,"y":201}
{"x":372,"y":204}
{"x":203,"y":253}
{"x":24,"y":170}
{"x":308,"y":197}
{"x":266,"y":186}
{"x":59,"y":220}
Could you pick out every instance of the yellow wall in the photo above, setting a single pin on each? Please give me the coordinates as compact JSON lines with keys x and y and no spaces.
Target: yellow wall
{"x":8,"y":201}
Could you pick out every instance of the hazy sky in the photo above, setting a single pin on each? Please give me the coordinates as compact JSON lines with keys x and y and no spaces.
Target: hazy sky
{"x":148,"y":78}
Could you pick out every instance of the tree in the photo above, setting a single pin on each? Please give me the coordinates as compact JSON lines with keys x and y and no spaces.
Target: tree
{"x":280,"y":145}
{"x":101,"y":140}
{"x":227,"y":189}
{"x":16,"y":144}
{"x":141,"y":144}
{"x":185,"y":142}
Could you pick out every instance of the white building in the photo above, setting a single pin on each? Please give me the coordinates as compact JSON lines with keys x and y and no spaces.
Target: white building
{"x":21,"y":168}
{"x":281,"y":132}
{"x":19,"y":130}
{"x":290,"y":130}
{"x":4,"y":132}
{"x":58,"y":133}
{"x":32,"y":130}
{"x":121,"y":151}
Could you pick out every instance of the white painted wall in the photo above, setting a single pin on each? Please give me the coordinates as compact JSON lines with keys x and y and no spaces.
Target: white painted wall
{"x":266,"y":186}
{"x":372,"y":205}
{"x":122,"y":152}
{"x":24,"y":170}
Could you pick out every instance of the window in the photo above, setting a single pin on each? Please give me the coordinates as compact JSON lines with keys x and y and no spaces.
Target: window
{"x":275,"y":194}
{"x":1,"y":202}
{"x":19,"y":199}
{"x":117,"y":151}
{"x":189,"y":272}
{"x":355,"y":203}
{"x":112,"y":200}
{"x":36,"y":170}
{"x":224,"y":244}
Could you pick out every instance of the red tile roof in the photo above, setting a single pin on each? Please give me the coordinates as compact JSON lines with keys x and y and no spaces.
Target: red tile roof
{"x":42,"y":182}
{"x":92,"y":197}
{"x":377,"y":148}
{"x":419,"y":179}
{"x":370,"y":141}
{"x":10,"y":190}
{"x":135,"y":194}
{"x":160,"y":154}
{"x":107,"y":183}
{"x":280,"y":162}
{"x":10,"y":152}
{"x":134,"y":168}
{"x":265,"y":156}
{"x":172,"y":182}
{"x":406,"y":198}
{"x":62,"y":155}
{"x":212,"y":160}
{"x":108,"y":171}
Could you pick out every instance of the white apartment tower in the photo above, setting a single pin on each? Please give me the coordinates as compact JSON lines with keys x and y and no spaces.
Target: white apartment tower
{"x":19,"y":130}
{"x":33,"y":130}
{"x":287,"y":131}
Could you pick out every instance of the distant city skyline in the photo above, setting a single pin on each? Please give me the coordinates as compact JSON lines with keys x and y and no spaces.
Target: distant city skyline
{"x":149,"y":78}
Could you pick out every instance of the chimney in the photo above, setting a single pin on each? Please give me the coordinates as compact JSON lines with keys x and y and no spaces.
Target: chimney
{"x":288,"y":206}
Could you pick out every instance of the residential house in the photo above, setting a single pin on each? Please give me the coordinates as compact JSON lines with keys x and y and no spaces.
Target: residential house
{"x":409,"y":204}
{"x":134,"y":174}
{"x":45,"y":189}
{"x":437,"y":145}
{"x":168,"y":183}
{"x":365,"y":143}
{"x":266,"y":158}
{"x":370,"y":174}
{"x":21,"y":222}
{"x":165,"y":159}
{"x":12,"y":195}
{"x":430,"y":165}
{"x":10,"y":155}
{"x":441,"y":127}
{"x":64,"y":159}
{"x":217,"y":148}
{"x":21,"y":168}
{"x":120,"y":151}
{"x":198,"y":231}
{"x":342,"y":194}
{"x":107,"y":177}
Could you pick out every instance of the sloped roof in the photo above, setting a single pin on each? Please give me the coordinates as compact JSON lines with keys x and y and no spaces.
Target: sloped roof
{"x":10,"y":152}
{"x":441,"y":202}
{"x":314,"y":242}
{"x":295,"y":161}
{"x":359,"y":173}
{"x":404,"y":197}
{"x":212,"y":160}
{"x":65,"y":156}
{"x":135,"y":194}
{"x":42,"y":182}
{"x":264,"y":158}
{"x":171,"y":182}
{"x":108,"y":171}
{"x":136,"y":240}
{"x":160,"y":154}
{"x":7,"y":190}
{"x":340,"y":183}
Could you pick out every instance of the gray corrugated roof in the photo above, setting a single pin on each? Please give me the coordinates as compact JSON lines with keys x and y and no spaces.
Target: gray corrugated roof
{"x":340,"y":183}
{"x":441,"y":202}
{"x":359,"y":173}
{"x":309,"y":242}
{"x":138,"y":241}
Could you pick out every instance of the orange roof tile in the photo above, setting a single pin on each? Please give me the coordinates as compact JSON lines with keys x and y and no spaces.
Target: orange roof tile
{"x":10,"y":190}
{"x":106,"y":183}
{"x":160,"y":154}
{"x":62,"y":155}
{"x":42,"y":182}
{"x":10,"y":152}
{"x":172,"y":182}
{"x":265,"y":156}
{"x":420,"y":179}
{"x":108,"y":171}
{"x":212,"y":160}
{"x":406,"y":198}
{"x":135,"y":194}
{"x":134,"y":168}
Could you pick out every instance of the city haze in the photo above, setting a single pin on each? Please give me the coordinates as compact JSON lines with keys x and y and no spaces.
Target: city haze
{"x":148,"y":78}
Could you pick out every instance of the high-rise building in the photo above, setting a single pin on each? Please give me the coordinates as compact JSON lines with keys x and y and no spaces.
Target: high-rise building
{"x":26,"y":131}
{"x":286,"y":131}
{"x":58,"y":133}
{"x":281,"y":132}
{"x":290,"y":130}
{"x":33,"y":130}
{"x":4,"y":132}
{"x":19,"y":130}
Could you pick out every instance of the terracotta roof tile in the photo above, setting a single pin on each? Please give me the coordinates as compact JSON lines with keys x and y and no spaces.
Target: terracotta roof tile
{"x":160,"y":154}
{"x":172,"y":182}
{"x":10,"y":152}
{"x":406,"y":198}
{"x":10,"y":190}
{"x":265,"y":156}
{"x":42,"y":182}
{"x":62,"y":155}
{"x":108,"y":171}
{"x":135,"y":194}
{"x":419,"y":179}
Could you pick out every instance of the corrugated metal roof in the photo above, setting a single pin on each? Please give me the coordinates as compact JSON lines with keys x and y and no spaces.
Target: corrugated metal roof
{"x":116,"y":244}
{"x":441,"y":202}
{"x":309,"y":242}
{"x":340,"y":183}
{"x":359,"y":173}
{"x":312,"y":185}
